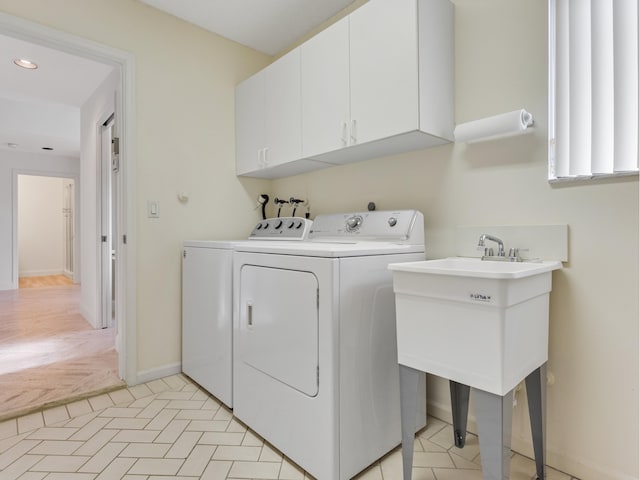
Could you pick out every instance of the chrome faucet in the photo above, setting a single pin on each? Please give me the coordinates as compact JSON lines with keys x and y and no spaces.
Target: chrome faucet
{"x":484,"y":237}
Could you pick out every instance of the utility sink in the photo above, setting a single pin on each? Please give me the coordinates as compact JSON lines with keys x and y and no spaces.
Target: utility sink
{"x":474,"y":267}
{"x":479,"y":323}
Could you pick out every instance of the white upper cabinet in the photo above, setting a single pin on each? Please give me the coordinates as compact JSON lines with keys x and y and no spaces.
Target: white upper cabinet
{"x":283,"y":111}
{"x":268,"y":116}
{"x":250,"y":124}
{"x":377,"y":82}
{"x":325,"y":90}
{"x":384,"y":69}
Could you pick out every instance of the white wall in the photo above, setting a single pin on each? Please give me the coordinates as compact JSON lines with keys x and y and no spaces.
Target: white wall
{"x":93,"y":113}
{"x":12,"y":163}
{"x":40,"y":226}
{"x":501,"y":65}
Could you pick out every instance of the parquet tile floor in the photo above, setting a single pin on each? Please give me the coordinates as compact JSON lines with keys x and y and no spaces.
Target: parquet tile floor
{"x":171,"y":429}
{"x":48,"y":352}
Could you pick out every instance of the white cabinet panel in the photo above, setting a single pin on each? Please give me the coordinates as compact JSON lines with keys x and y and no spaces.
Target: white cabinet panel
{"x":384,"y":69}
{"x":250,"y":123}
{"x":325,"y":90}
{"x":268,"y":116}
{"x":283,"y":111}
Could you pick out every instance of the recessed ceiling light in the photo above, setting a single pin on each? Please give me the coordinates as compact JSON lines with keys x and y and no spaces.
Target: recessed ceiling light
{"x":47,"y":148}
{"x":24,"y":63}
{"x":12,"y":145}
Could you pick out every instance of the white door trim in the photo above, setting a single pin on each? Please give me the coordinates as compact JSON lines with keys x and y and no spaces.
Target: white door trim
{"x":125,"y":107}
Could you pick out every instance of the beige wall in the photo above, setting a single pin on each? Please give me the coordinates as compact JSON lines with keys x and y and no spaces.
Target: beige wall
{"x":185,"y":79}
{"x":501,"y":65}
{"x":40,"y":225}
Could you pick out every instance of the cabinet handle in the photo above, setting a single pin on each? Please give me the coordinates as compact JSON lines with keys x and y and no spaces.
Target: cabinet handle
{"x":250,"y":314}
{"x":265,"y":160}
{"x":343,"y":135}
{"x":354,"y":132}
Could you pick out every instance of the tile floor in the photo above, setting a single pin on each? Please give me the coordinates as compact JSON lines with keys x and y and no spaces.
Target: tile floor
{"x":171,"y":429}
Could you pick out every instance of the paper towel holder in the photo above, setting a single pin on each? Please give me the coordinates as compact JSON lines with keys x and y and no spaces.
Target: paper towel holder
{"x":495,"y":127}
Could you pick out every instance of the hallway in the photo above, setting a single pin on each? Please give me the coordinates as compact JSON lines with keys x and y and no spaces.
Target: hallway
{"x":48,"y":352}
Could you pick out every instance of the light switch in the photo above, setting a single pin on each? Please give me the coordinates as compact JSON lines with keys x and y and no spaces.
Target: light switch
{"x":153,"y":208}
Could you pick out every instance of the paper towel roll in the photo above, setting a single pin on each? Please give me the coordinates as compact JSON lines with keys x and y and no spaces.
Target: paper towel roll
{"x":498,"y":126}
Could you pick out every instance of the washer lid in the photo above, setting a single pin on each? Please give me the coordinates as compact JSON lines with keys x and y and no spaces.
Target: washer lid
{"x":221,"y":244}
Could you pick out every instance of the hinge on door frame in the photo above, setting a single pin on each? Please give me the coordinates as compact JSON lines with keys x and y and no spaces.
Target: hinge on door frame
{"x":184,"y":254}
{"x":124,"y":239}
{"x":115,"y":155}
{"x":103,"y":238}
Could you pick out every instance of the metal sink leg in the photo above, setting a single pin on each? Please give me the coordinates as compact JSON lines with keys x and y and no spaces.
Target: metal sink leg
{"x":409,"y":380}
{"x":493,"y":414}
{"x":459,"y":410}
{"x":536,"y":383}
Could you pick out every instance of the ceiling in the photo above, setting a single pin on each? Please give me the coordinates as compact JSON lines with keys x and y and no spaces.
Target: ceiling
{"x":41,"y":108}
{"x":268,"y":26}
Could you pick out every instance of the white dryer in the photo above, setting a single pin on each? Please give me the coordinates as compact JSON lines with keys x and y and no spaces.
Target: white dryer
{"x":315,"y":358}
{"x":207,"y":295}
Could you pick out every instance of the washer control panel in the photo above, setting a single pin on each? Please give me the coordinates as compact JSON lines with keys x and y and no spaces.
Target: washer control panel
{"x":405,"y":226}
{"x":282,"y":228}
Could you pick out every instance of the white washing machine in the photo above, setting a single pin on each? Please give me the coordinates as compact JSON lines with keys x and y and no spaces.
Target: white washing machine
{"x":315,"y":358}
{"x":207,"y":296}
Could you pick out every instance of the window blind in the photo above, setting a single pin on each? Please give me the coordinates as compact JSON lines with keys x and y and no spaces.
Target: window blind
{"x":594,"y":54}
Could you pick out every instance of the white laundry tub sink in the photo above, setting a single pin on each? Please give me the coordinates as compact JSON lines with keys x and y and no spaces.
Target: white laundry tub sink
{"x":479,"y":323}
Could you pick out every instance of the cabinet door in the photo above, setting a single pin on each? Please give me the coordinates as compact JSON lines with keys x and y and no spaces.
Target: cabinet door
{"x":283,"y":110}
{"x":325,"y":90}
{"x":384,"y":69}
{"x":250,"y":124}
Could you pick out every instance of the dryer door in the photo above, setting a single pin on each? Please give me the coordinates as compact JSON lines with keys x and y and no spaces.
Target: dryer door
{"x":278,"y":331}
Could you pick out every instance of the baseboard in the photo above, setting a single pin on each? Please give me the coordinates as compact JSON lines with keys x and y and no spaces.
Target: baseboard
{"x":40,"y":273}
{"x":145,"y":376}
{"x":576,"y":467}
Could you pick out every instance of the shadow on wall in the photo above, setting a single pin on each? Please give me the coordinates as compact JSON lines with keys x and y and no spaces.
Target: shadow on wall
{"x":505,"y":151}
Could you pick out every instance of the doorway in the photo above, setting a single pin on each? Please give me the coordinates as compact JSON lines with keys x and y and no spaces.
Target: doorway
{"x":124,"y":104}
{"x":46,"y":213}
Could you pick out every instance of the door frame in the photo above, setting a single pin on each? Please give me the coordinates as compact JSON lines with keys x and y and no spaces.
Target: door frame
{"x":125,"y":110}
{"x":105,"y":217}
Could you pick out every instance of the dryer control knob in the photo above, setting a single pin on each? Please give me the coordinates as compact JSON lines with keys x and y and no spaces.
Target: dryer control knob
{"x":353,"y":223}
{"x":393,"y":221}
